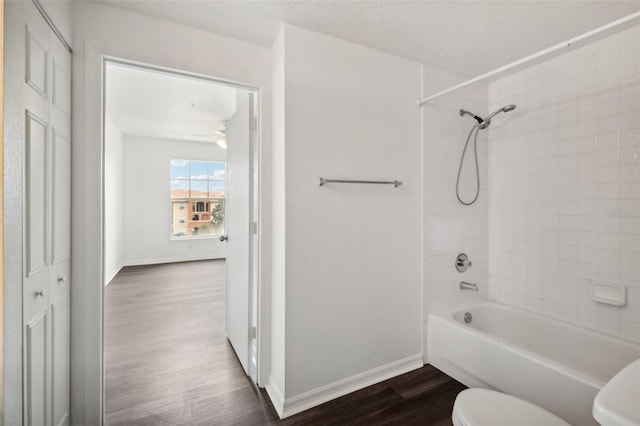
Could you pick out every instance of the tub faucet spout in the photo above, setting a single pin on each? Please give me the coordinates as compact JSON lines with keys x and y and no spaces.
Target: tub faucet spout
{"x":468,"y":286}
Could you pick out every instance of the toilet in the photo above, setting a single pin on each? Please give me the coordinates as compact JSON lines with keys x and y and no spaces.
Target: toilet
{"x":480,"y":407}
{"x":616,"y":403}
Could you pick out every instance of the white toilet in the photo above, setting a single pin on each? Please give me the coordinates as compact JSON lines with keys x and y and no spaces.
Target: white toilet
{"x":480,"y":407}
{"x":616,"y":403}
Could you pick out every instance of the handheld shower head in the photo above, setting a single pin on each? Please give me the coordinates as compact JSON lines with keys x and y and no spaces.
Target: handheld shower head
{"x":487,"y":121}
{"x":482,"y":124}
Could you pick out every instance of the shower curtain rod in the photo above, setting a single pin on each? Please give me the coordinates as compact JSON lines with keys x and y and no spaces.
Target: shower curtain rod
{"x":530,"y":58}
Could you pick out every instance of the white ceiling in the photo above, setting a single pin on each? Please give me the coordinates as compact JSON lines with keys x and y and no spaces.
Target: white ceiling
{"x":146,"y":103}
{"x":463,"y":36}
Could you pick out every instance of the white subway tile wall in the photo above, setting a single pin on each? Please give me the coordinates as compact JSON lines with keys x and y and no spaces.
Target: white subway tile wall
{"x":564,"y":185}
{"x":449,"y":227}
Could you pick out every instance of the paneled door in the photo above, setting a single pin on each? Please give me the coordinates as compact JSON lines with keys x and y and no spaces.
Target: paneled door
{"x":36,"y":95}
{"x":60,"y":234}
{"x":46,"y":294}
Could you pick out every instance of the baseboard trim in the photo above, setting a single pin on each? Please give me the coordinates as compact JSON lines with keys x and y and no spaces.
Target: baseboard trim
{"x":111,"y":276}
{"x":274,"y":392}
{"x":310,"y":399}
{"x":171,"y":260}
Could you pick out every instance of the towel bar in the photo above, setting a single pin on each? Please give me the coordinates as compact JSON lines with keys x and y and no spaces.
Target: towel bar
{"x":395,"y":183}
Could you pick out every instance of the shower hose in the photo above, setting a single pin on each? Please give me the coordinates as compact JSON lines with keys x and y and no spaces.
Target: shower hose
{"x":475,"y":128}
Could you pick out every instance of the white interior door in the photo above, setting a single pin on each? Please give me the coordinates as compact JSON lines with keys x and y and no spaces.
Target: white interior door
{"x":60,"y":234}
{"x":237,"y":226}
{"x":47,"y":198}
{"x":36,"y":95}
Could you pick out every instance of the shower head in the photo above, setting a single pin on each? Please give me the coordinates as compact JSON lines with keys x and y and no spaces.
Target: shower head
{"x":482,"y":124}
{"x":487,"y":121}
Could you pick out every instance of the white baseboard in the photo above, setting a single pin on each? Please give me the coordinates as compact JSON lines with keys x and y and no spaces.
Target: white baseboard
{"x":275,"y":394}
{"x":156,"y":262}
{"x":112,"y":275}
{"x":294,"y":405}
{"x":143,"y":262}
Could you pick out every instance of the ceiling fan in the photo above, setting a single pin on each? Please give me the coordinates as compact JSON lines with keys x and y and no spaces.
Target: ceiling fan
{"x":221,"y":140}
{"x":219,"y":136}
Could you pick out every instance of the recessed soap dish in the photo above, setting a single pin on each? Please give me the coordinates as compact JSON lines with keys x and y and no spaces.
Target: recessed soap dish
{"x":608,"y":293}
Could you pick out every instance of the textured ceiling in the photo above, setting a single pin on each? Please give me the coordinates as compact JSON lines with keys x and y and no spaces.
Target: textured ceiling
{"x":154,"y":104}
{"x":466,"y":37}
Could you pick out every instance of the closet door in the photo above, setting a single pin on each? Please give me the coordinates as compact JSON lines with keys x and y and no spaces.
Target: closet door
{"x":60,"y":235}
{"x":36,"y":95}
{"x":46,"y":290}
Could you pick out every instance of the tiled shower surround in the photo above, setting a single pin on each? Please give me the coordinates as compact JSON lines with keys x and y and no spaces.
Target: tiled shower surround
{"x":449,"y":227}
{"x":564,"y":184}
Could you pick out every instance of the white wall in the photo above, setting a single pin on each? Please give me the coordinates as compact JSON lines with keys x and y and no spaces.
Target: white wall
{"x":60,"y":13}
{"x":113,"y":187}
{"x":13,"y":146}
{"x":565,"y":184}
{"x":278,"y":287}
{"x":137,"y":207}
{"x":100,"y":30}
{"x":451,"y":228}
{"x":146,"y":207}
{"x":352,"y":277}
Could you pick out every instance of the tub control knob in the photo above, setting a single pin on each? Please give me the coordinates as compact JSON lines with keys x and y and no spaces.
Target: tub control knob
{"x":462,"y":262}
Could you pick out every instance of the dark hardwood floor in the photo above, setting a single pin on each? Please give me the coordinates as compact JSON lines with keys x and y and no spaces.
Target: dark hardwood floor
{"x":168,"y":362}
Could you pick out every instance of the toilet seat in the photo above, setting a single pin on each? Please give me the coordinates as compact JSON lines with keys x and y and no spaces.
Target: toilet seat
{"x":480,"y":407}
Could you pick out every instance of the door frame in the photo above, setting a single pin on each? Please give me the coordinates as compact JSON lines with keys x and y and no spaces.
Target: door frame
{"x":1,"y":213}
{"x":87,"y":269}
{"x":257,"y":293}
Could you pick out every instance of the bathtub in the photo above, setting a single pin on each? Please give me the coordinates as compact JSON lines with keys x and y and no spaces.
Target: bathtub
{"x":553,"y":364}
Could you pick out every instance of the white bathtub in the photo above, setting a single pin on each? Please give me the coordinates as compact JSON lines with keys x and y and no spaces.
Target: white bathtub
{"x":555,"y":365}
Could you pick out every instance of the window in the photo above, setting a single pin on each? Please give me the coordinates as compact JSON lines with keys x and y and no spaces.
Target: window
{"x":197,"y":187}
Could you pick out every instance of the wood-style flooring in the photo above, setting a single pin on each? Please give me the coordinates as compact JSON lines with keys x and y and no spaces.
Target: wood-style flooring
{"x":168,"y":362}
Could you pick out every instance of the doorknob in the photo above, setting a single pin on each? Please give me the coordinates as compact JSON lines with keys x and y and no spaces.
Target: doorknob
{"x":224,"y":238}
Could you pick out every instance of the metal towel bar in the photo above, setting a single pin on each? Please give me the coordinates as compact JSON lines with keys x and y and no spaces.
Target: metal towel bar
{"x":395,"y":183}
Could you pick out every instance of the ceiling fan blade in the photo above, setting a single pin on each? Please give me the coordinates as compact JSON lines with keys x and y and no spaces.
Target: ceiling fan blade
{"x":214,"y":132}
